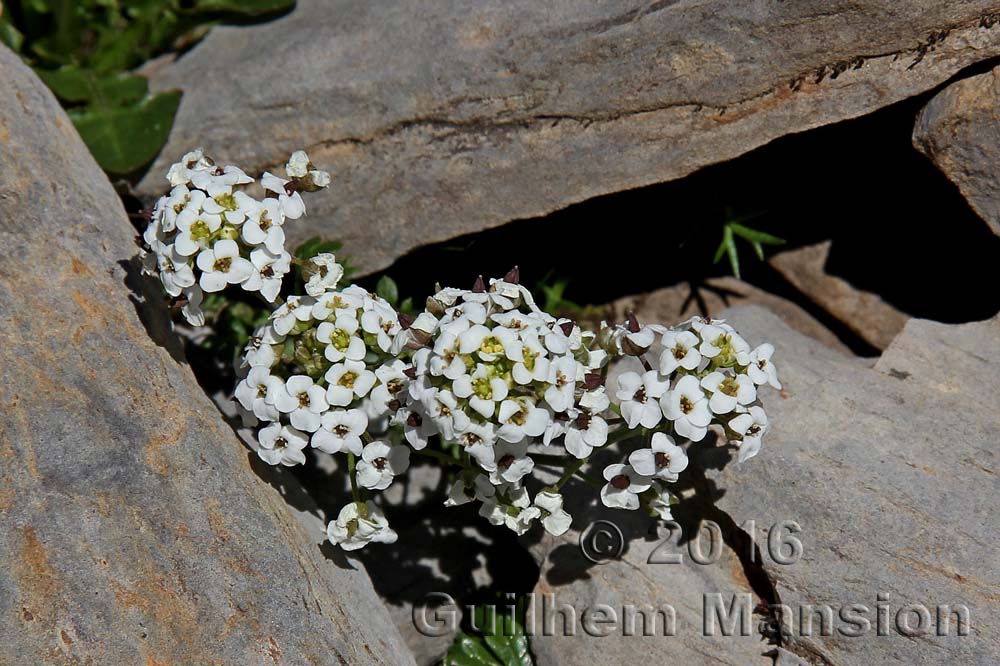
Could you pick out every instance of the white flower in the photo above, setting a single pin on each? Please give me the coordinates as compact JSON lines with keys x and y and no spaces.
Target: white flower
{"x":679,"y":351}
{"x":728,"y":391}
{"x":720,"y":339}
{"x":483,"y":390}
{"x":175,"y":272}
{"x":303,"y":401}
{"x":663,"y":460}
{"x":759,"y":366}
{"x":554,"y":519}
{"x":194,"y":231}
{"x":281,"y":445}
{"x":259,"y":352}
{"x":562,"y":337}
{"x":751,"y":427}
{"x":335,"y":301}
{"x":269,"y":269}
{"x":512,"y":462}
{"x":660,"y":505}
{"x":510,"y":506}
{"x":584,"y":434}
{"x":463,"y":491}
{"x":687,"y":406}
{"x":340,"y":339}
{"x":192,"y":307}
{"x":291,"y":204}
{"x":391,"y":381}
{"x":520,"y":418}
{"x":623,"y":487}
{"x":562,"y":377}
{"x":490,"y":345}
{"x":447,"y":360}
{"x":382,"y":321}
{"x":324,"y":274}
{"x":263,"y":226}
{"x":417,"y":427}
{"x":638,"y":396}
{"x":256,"y":393}
{"x":478,"y":440}
{"x":347,"y":381}
{"x":298,"y":164}
{"x":358,"y":525}
{"x":442,"y":406}
{"x":341,"y":430}
{"x":296,"y":309}
{"x":535,"y":364}
{"x":222,"y":265}
{"x":380,"y":463}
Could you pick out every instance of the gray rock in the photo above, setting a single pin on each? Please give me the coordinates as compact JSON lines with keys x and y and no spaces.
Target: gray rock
{"x":134,"y":527}
{"x":440,"y":119}
{"x":863,"y":312}
{"x":886,"y":476}
{"x":891,"y":474}
{"x":958,"y":131}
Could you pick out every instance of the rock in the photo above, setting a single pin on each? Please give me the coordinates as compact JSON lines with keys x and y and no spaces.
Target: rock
{"x":865,"y":313}
{"x":886,"y":478}
{"x":134,"y":528}
{"x":890,"y":473}
{"x":440,"y":120}
{"x":958,"y":131}
{"x":672,"y":305}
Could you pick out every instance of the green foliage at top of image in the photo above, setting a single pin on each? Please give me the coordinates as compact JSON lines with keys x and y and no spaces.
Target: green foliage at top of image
{"x":85,"y":51}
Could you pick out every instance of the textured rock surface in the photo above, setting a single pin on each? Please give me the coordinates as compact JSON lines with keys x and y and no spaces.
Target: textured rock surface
{"x":438,"y":119}
{"x":959,"y":131}
{"x":890,"y":474}
{"x":863,"y":312}
{"x":672,"y":305}
{"x":133,"y":529}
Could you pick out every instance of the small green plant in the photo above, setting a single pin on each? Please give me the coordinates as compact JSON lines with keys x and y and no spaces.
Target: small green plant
{"x":733,"y":228}
{"x":496,"y":638}
{"x":85,"y":51}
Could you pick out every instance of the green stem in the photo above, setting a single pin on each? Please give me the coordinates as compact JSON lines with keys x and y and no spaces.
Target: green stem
{"x":568,"y":473}
{"x":548,"y":459}
{"x":353,"y":473}
{"x":590,"y":480}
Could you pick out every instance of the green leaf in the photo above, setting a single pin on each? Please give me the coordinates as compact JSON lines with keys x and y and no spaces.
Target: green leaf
{"x":125,"y":138}
{"x":10,"y":36}
{"x":755,"y":236}
{"x":387,"y":289}
{"x":469,"y":651}
{"x":245,"y":7}
{"x":311,"y":247}
{"x":73,"y":84}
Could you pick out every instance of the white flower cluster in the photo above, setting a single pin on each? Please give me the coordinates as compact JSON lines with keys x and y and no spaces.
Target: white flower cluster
{"x":706,"y":374}
{"x":495,"y":375}
{"x":486,"y":382}
{"x":208,"y":233}
{"x":323,"y":372}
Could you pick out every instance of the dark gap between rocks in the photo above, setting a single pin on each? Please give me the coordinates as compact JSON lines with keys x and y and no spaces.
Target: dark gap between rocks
{"x":900,"y":229}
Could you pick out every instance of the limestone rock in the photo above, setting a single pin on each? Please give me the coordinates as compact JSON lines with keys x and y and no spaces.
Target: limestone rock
{"x":441,"y":119}
{"x":134,"y":528}
{"x":863,"y":312}
{"x":958,"y":131}
{"x":891,"y":474}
